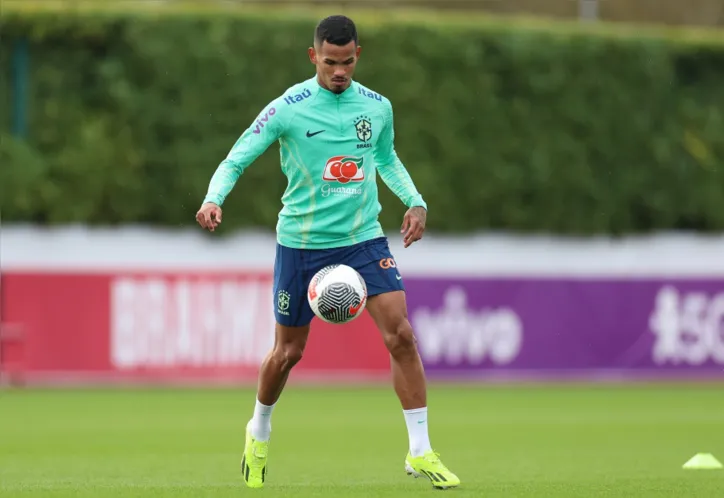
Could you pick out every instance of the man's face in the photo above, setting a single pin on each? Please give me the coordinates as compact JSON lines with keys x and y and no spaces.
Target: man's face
{"x":335,"y":64}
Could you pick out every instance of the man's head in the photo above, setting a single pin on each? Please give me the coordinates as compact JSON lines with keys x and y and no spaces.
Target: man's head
{"x":335,"y":52}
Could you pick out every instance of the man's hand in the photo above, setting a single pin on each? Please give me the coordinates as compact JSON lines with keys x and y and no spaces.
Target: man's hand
{"x":413,"y":225}
{"x":209,"y":216}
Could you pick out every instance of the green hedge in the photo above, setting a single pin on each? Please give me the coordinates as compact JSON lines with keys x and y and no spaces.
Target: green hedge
{"x":502,"y":127}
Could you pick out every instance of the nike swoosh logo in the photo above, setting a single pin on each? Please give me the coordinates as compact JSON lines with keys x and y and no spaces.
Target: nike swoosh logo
{"x":354,"y":309}
{"x":310,"y":135}
{"x":398,"y":277}
{"x":421,"y":421}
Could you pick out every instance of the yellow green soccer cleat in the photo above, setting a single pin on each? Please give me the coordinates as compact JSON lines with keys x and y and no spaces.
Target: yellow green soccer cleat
{"x":430,"y":466}
{"x":253,"y":463}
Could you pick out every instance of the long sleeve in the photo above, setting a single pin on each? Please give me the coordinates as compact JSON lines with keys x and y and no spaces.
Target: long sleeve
{"x":256,"y":139}
{"x":391,"y":169}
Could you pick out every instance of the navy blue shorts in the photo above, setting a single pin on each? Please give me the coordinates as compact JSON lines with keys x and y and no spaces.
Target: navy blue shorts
{"x":294,"y":269}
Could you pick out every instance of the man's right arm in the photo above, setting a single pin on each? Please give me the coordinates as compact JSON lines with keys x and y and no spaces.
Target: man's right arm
{"x":266,"y":129}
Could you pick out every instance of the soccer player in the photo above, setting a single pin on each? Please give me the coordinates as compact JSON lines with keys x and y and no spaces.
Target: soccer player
{"x":335,"y":135}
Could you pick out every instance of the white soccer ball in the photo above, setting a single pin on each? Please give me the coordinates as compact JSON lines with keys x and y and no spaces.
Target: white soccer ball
{"x":337,"y":294}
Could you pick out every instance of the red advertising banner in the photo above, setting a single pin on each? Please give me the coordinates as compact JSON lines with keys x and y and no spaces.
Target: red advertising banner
{"x":167,"y":326}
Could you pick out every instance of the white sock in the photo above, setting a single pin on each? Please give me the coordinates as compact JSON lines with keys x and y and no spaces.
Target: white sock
{"x":416,"y":421}
{"x":261,"y":422}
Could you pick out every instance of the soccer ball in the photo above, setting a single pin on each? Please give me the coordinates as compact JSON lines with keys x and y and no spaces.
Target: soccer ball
{"x":337,"y":294}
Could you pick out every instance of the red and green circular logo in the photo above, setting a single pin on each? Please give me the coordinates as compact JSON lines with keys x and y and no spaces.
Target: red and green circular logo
{"x":344,"y":169}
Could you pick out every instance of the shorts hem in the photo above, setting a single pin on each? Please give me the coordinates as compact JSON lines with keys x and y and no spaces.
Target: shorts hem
{"x":384,"y":291}
{"x":300,"y":323}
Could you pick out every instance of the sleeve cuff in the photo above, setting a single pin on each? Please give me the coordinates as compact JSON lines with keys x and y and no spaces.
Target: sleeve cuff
{"x":418,"y":201}
{"x":213,"y":199}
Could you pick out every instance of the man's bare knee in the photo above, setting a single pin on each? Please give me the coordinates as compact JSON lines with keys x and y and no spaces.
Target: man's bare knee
{"x":290,"y":354}
{"x":400,"y":340}
{"x":289,"y":346}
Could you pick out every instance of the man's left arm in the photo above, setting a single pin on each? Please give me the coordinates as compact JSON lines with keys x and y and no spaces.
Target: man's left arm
{"x":398,"y":179}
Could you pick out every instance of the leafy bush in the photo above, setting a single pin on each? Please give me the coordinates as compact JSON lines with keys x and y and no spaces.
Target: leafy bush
{"x":502,"y":127}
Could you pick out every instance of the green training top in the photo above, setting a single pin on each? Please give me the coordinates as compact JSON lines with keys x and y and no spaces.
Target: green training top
{"x":331,"y":147}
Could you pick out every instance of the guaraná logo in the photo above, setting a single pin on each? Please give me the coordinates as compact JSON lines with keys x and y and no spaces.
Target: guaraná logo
{"x":344,"y":169}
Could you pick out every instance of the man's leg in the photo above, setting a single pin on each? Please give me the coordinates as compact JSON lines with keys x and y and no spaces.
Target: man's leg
{"x":289,"y":344}
{"x":389,"y":311}
{"x":293,"y":316}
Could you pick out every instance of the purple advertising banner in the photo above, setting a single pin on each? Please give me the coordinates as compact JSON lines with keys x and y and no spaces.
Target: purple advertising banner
{"x":473,"y":327}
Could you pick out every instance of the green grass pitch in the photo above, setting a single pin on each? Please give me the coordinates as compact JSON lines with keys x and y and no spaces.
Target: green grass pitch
{"x":556,"y":441}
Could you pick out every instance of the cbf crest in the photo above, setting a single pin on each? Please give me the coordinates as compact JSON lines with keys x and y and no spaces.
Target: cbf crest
{"x":363,"y":126}
{"x":283,"y":299}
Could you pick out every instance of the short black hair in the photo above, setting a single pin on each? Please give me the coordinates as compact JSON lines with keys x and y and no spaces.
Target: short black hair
{"x":337,"y":30}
